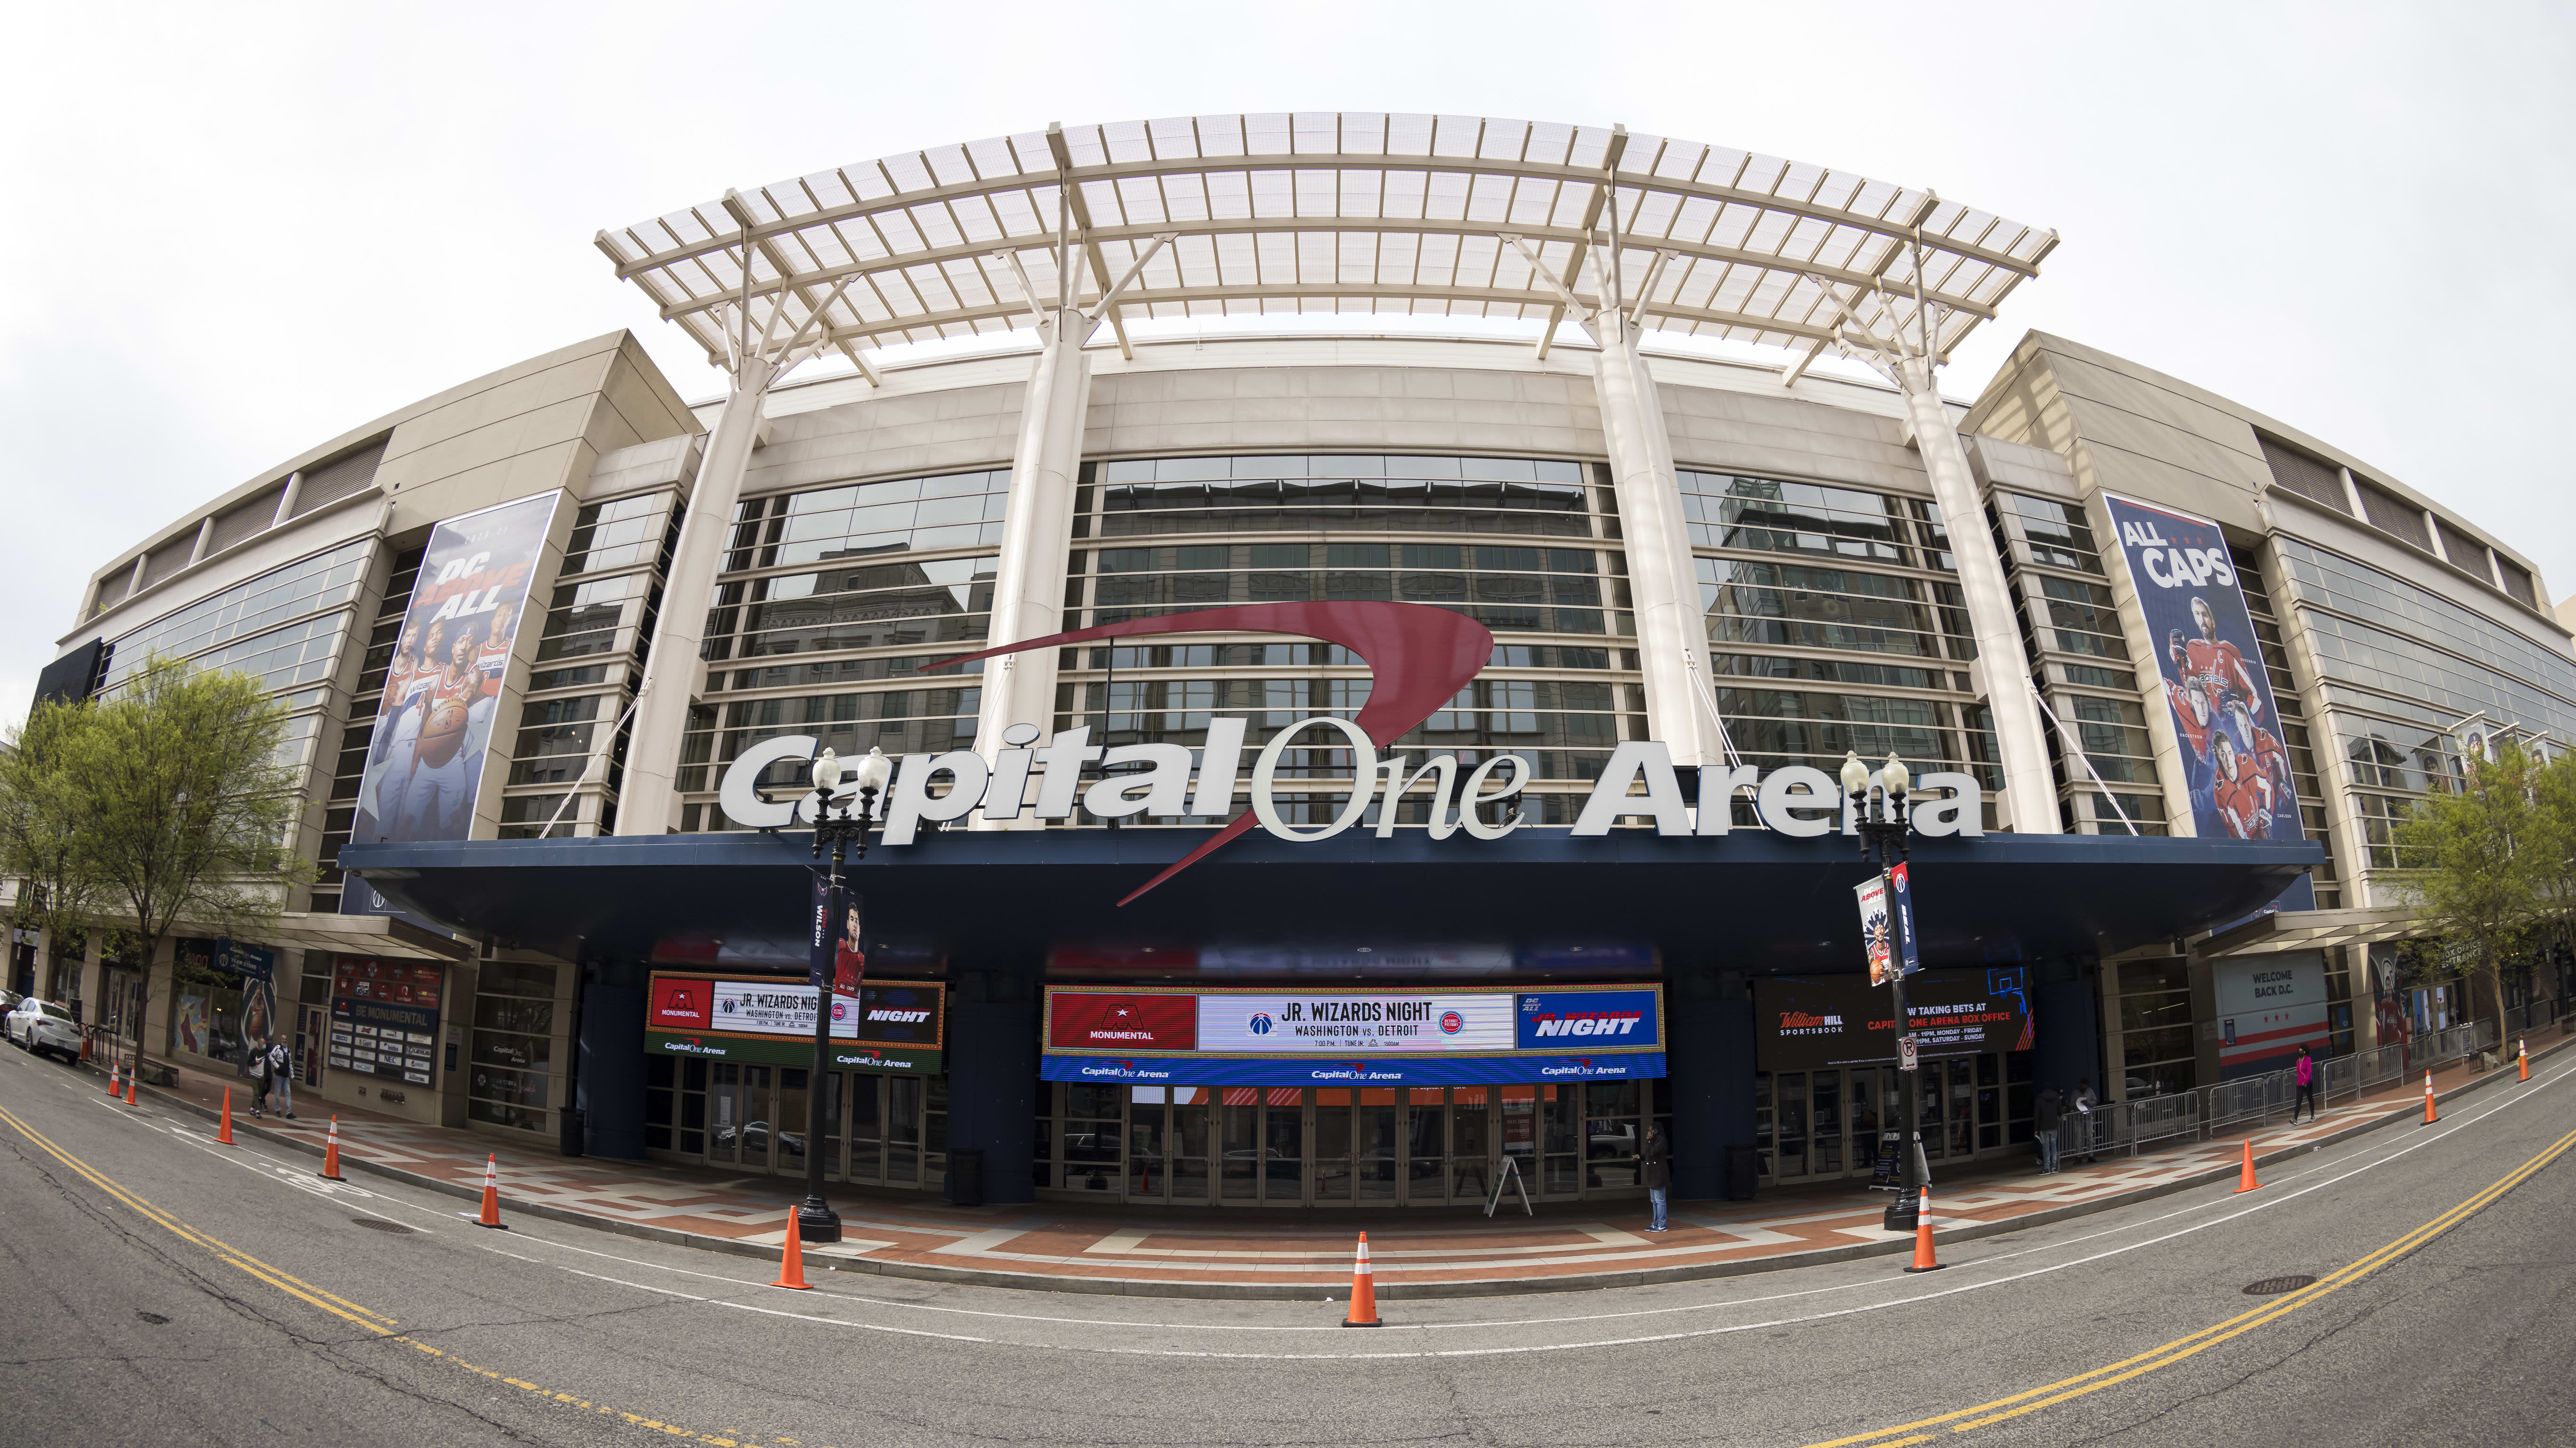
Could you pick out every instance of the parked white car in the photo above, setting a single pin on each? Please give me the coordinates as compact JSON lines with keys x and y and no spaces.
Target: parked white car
{"x":44,"y":1028}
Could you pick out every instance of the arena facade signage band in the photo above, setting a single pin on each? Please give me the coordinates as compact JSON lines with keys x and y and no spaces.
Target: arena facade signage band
{"x":1798,"y":801}
{"x":1270,"y":1037}
{"x":895,"y":1026}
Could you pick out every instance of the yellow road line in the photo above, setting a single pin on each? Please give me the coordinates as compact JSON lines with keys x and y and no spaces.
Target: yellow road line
{"x":337,"y":1306}
{"x":2031,"y":1400}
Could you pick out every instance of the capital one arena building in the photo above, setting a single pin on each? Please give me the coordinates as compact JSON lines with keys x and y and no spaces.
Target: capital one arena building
{"x":1551,"y":508}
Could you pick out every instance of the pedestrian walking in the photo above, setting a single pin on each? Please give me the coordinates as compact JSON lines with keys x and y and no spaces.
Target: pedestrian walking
{"x":2044,"y":1121}
{"x":258,"y":1067}
{"x":2307,"y":1069}
{"x":2085,"y":1101}
{"x":281,"y":1076}
{"x":1658,"y":1164}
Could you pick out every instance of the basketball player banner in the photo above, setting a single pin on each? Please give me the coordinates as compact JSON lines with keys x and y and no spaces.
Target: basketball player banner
{"x":2214,"y":686}
{"x":435,"y":722}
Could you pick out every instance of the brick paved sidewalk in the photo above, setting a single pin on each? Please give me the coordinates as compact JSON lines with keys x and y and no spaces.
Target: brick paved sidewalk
{"x":1197,"y":1252}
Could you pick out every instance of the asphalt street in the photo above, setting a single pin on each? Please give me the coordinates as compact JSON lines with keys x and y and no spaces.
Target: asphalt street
{"x":162,"y":1289}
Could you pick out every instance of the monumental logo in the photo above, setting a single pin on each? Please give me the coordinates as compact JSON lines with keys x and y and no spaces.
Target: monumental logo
{"x":1419,"y":657}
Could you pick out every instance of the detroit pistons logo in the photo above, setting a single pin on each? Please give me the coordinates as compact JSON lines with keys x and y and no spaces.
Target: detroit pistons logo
{"x":1451,"y":1023}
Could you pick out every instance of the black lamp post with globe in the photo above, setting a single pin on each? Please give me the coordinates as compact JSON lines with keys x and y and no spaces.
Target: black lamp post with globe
{"x":845,"y":829}
{"x":1879,"y":811}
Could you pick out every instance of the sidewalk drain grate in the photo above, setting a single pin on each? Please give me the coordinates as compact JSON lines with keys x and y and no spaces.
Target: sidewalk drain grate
{"x":379,"y":1224}
{"x":2271,"y":1285}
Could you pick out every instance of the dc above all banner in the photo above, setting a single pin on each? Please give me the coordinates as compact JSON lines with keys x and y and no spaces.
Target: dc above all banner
{"x":2216,"y":693}
{"x":459,"y":634}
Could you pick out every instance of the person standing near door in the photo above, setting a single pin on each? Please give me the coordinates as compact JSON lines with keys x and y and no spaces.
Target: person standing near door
{"x":2085,"y":1101}
{"x":281,"y":1076}
{"x":2043,"y":1122}
{"x":1658,"y":1163}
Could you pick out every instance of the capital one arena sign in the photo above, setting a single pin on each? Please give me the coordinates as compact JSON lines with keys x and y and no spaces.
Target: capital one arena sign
{"x":1419,"y":657}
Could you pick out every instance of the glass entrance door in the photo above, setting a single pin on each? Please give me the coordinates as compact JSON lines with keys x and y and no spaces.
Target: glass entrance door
{"x":741,"y":1105}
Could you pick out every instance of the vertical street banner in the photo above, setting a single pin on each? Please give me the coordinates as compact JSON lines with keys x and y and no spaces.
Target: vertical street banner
{"x":1905,"y":918}
{"x":1872,"y":894}
{"x":2212,"y":672}
{"x":833,"y":951}
{"x":425,"y":760}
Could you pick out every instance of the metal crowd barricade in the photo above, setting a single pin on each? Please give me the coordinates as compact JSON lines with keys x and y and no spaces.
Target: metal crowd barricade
{"x":2134,"y":1124}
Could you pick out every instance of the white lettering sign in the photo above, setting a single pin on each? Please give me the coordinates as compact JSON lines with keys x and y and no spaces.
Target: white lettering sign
{"x":1638,"y":782}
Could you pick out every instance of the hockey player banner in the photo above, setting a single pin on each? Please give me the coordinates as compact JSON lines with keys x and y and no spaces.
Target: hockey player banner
{"x":2212,"y":673}
{"x":425,"y":761}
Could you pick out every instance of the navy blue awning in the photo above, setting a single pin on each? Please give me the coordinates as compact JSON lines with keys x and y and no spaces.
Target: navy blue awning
{"x":1005,"y":899}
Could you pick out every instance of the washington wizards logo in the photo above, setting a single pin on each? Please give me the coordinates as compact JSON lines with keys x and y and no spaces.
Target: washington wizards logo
{"x":1260,"y":1023}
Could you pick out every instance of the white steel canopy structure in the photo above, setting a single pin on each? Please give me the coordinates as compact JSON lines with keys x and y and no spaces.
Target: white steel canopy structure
{"x":1332,"y":212}
{"x":1360,"y":214}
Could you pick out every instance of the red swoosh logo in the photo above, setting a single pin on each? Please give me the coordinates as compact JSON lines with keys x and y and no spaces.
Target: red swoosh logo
{"x":1423,"y":654}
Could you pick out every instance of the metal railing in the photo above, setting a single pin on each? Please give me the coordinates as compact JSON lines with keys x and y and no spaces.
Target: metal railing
{"x":2207,"y":1111}
{"x":2126,"y":1126}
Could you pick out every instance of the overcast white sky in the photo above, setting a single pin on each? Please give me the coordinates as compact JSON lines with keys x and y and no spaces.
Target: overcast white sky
{"x":235,"y":231}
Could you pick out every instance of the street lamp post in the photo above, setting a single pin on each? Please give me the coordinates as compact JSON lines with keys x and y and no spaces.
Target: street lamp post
{"x":1878,"y":807}
{"x":835,"y":824}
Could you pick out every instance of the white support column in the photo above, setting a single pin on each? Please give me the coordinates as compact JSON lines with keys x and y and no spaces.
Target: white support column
{"x":205,"y":535}
{"x":1663,"y":582}
{"x":1037,"y":534}
{"x":287,"y":499}
{"x":674,"y":675}
{"x":2003,"y":676}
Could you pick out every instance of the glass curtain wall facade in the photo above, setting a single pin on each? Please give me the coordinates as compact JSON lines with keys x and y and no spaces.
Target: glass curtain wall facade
{"x":2400,"y":666}
{"x":831,"y":601}
{"x":1835,"y":623}
{"x":591,"y":649}
{"x":2080,"y":654}
{"x":1527,"y":547}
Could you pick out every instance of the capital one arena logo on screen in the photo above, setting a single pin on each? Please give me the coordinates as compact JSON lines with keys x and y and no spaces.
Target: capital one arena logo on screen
{"x":1418,"y":658}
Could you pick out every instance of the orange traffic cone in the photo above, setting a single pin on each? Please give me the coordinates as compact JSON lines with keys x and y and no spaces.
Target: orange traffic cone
{"x":2245,"y":1175}
{"x":1363,"y":1311}
{"x":331,"y":1155}
{"x":130,"y":1074}
{"x":2522,"y":1053}
{"x":112,"y":1087}
{"x":791,"y":1257}
{"x":1924,"y":1261}
{"x":224,"y":1133}
{"x":84,"y":1046}
{"x":2429,"y":1117}
{"x":491,"y":1194}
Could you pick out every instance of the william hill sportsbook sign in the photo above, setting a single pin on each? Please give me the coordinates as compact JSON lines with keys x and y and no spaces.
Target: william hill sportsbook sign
{"x":1426,"y":656}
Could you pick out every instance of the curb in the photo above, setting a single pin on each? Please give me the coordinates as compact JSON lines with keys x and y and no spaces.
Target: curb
{"x":1301,"y":1292}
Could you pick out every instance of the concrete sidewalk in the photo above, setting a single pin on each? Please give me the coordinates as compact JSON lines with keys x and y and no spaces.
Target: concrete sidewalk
{"x":1187,"y":1252}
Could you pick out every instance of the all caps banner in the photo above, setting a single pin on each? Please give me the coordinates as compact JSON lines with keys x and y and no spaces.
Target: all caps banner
{"x":426,"y":759}
{"x":2221,"y":701}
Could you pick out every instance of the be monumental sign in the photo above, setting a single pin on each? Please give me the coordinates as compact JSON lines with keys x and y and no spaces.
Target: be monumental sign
{"x":1437,"y":651}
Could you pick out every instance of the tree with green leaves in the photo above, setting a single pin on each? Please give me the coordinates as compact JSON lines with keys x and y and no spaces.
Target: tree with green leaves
{"x":2471,"y":858}
{"x":40,"y":833}
{"x":2550,"y":847}
{"x":183,"y":809}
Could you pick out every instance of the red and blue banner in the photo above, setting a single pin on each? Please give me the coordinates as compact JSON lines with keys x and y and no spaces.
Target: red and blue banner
{"x":2214,"y":686}
{"x":1268,"y":1036}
